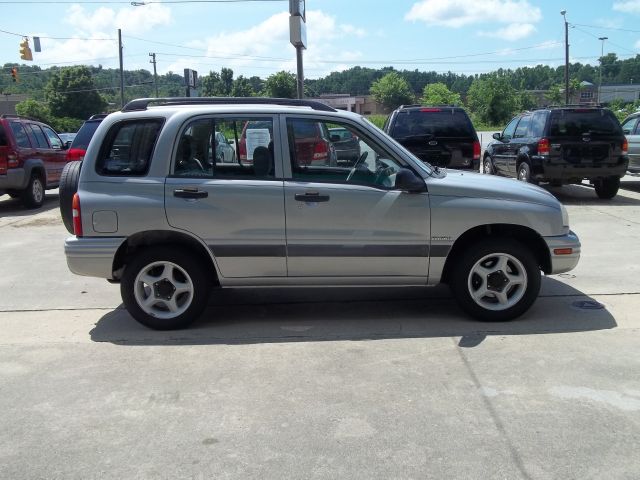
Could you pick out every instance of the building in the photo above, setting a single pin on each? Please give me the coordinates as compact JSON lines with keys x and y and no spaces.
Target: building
{"x":8,"y":102}
{"x":362,"y":104}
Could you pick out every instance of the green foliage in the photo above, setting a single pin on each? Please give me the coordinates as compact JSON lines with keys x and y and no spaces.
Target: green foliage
{"x":493,"y":100}
{"x":377,"y":120}
{"x":623,"y":109}
{"x":34,"y":109}
{"x":526,"y":101}
{"x":555,"y":94}
{"x":71,"y":93}
{"x":392,"y":91}
{"x":281,"y":85}
{"x":210,"y":85}
{"x":439,"y":94}
{"x":242,"y":88}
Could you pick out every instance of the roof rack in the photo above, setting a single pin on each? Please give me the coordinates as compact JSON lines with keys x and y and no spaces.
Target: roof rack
{"x":573,"y":105}
{"x":98,"y":116}
{"x":143,"y":103}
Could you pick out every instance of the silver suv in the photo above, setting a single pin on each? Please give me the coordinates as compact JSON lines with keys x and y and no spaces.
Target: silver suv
{"x":159,"y":212}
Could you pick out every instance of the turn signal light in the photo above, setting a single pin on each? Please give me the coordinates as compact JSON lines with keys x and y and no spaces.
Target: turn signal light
{"x":543,"y":146}
{"x":476,"y":150}
{"x":625,"y":147}
{"x":77,"y":219}
{"x":563,"y":251}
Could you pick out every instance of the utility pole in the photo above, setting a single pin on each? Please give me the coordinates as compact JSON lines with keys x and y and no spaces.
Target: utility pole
{"x":121,"y":69}
{"x":566,"y":57}
{"x":298,"y":38}
{"x":602,"y":39}
{"x":155,"y":73}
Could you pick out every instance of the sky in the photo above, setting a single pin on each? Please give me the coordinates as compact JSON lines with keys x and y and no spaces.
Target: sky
{"x":252,"y":37}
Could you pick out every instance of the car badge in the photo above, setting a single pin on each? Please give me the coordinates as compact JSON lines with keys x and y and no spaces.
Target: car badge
{"x":586,"y":139}
{"x":433,"y":142}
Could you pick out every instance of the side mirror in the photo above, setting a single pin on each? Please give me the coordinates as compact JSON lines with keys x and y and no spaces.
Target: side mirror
{"x":626,"y":131}
{"x":497,"y":136}
{"x":67,"y":145}
{"x":408,"y":181}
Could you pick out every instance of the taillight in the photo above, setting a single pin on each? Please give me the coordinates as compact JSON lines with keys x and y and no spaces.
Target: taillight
{"x":476,"y":150}
{"x":12,"y":160}
{"x":77,"y":219}
{"x":543,"y":146}
{"x":320,"y":151}
{"x":242,"y":148}
{"x":625,"y":146}
{"x":75,"y":154}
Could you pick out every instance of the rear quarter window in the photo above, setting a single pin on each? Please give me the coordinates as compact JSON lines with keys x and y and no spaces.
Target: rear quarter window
{"x":128,"y":148}
{"x":20,"y":135}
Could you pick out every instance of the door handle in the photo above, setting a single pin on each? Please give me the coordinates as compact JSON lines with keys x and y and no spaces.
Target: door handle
{"x":311,"y":197}
{"x":190,"y":193}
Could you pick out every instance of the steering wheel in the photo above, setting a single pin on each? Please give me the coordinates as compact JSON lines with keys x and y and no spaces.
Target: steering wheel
{"x":360,"y":160}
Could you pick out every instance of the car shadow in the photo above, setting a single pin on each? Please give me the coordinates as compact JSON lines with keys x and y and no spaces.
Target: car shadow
{"x":13,"y":207}
{"x":632,"y":185}
{"x":584,"y":194}
{"x":277,"y":315}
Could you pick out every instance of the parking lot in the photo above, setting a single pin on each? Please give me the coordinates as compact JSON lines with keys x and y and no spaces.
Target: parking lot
{"x":323,"y":383}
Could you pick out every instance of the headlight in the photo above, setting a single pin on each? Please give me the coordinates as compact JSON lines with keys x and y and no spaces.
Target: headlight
{"x":565,"y":216}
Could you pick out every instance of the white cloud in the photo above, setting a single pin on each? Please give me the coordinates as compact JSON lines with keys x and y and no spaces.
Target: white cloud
{"x":512,"y":32}
{"x":461,"y":13}
{"x":132,"y":20}
{"x":627,"y":6}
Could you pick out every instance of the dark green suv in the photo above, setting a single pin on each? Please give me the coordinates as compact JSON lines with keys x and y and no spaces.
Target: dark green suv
{"x":561,"y":145}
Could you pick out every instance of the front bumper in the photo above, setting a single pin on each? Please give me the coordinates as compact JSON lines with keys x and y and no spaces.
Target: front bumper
{"x":564,"y":262}
{"x":92,"y":257}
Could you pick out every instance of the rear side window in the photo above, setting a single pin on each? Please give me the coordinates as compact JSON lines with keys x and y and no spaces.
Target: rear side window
{"x":84,"y":135}
{"x":444,"y":123}
{"x":3,"y":137}
{"x":20,"y":135}
{"x":523,"y":127}
{"x":37,"y":137}
{"x":572,"y":123}
{"x":128,"y":148}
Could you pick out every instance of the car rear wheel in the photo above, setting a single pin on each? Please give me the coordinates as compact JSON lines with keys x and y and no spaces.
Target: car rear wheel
{"x":524,"y":173}
{"x":165,"y":288}
{"x":33,"y":195}
{"x":496,"y":280}
{"x":487,"y":166}
{"x":607,"y":188}
{"x":68,"y":188}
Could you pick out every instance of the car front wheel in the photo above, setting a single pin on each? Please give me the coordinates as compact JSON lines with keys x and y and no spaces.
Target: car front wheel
{"x":165,"y":288}
{"x":496,"y":280}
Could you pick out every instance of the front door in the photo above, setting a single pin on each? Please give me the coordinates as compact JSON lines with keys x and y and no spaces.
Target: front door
{"x":351,"y":221}
{"x":235,"y":208}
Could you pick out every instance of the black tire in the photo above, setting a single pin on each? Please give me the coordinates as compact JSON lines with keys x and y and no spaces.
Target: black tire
{"x":520,"y":262}
{"x":190,"y":305}
{"x":13,"y":193}
{"x":555,"y":183}
{"x":33,"y":195}
{"x":67,"y":189}
{"x":524,"y":173}
{"x":607,"y":188}
{"x":487,"y":166}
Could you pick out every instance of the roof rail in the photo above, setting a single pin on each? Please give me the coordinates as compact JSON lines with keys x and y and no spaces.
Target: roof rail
{"x":143,"y":103}
{"x":98,"y":116}
{"x":576,"y":105}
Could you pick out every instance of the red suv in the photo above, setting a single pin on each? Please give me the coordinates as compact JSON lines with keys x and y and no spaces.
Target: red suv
{"x":32,"y":157}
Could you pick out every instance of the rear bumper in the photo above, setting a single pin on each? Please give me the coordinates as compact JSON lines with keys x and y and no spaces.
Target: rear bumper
{"x":92,"y":257}
{"x":543,"y":169}
{"x":561,"y":263}
{"x":15,"y":179}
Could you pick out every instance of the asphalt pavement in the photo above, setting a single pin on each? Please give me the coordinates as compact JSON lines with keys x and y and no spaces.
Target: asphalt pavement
{"x":323,"y":383}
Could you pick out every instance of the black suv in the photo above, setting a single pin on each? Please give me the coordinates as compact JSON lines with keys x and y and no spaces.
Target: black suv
{"x":561,"y":145}
{"x":440,"y":136}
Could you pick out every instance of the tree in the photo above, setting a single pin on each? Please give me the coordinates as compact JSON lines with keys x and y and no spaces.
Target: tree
{"x":493,"y":100}
{"x":555,"y":94}
{"x":281,"y":85}
{"x":241,"y":88}
{"x":439,"y":94}
{"x":34,"y":109}
{"x":210,"y":85}
{"x":391,"y":91}
{"x":526,"y":101}
{"x":226,"y":81}
{"x":72,"y":93}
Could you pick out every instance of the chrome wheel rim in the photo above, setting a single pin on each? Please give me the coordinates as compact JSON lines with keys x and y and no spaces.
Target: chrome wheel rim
{"x":163,"y":290}
{"x":522,"y":175}
{"x":497,"y":281}
{"x":37,"y":190}
{"x":487,"y":167}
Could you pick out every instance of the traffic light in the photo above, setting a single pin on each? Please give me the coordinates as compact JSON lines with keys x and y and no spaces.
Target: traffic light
{"x":25,"y":51}
{"x":14,"y":74}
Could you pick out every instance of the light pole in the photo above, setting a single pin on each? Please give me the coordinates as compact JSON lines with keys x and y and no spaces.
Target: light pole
{"x":602,"y":39}
{"x":566,"y":57}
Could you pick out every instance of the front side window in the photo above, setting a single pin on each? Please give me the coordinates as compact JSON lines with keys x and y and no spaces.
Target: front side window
{"x":128,"y":148}
{"x":226,"y":148}
{"x":318,"y":155}
{"x":629,"y":126}
{"x":54,"y":140}
{"x":20,"y":135}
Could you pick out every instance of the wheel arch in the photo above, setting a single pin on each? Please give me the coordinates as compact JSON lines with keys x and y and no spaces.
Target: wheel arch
{"x":152,"y":238}
{"x":34,"y":165}
{"x":525,"y":235}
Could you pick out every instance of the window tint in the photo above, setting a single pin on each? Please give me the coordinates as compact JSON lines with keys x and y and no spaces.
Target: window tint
{"x":316,"y":159}
{"x":523,"y":127}
{"x":20,"y":135}
{"x":577,"y":122}
{"x":36,"y":136}
{"x":128,"y":148}
{"x":507,"y":134}
{"x":629,"y":126}
{"x":54,"y":140}
{"x":84,"y":135}
{"x":3,"y":137}
{"x":537,"y":124}
{"x":447,"y":123}
{"x":207,"y":149}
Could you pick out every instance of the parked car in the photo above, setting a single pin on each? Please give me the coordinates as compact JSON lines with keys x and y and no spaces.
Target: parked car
{"x":347,"y":145}
{"x":440,"y":136}
{"x":67,"y":138}
{"x":632,"y":132}
{"x":32,"y":157}
{"x":83,"y":137}
{"x":562,"y":145}
{"x":224,"y":151}
{"x":168,"y":229}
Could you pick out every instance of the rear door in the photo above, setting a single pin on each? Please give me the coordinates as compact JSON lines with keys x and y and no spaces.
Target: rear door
{"x":236,"y":208}
{"x":631,"y":129}
{"x":586,"y":137}
{"x":58,"y":156}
